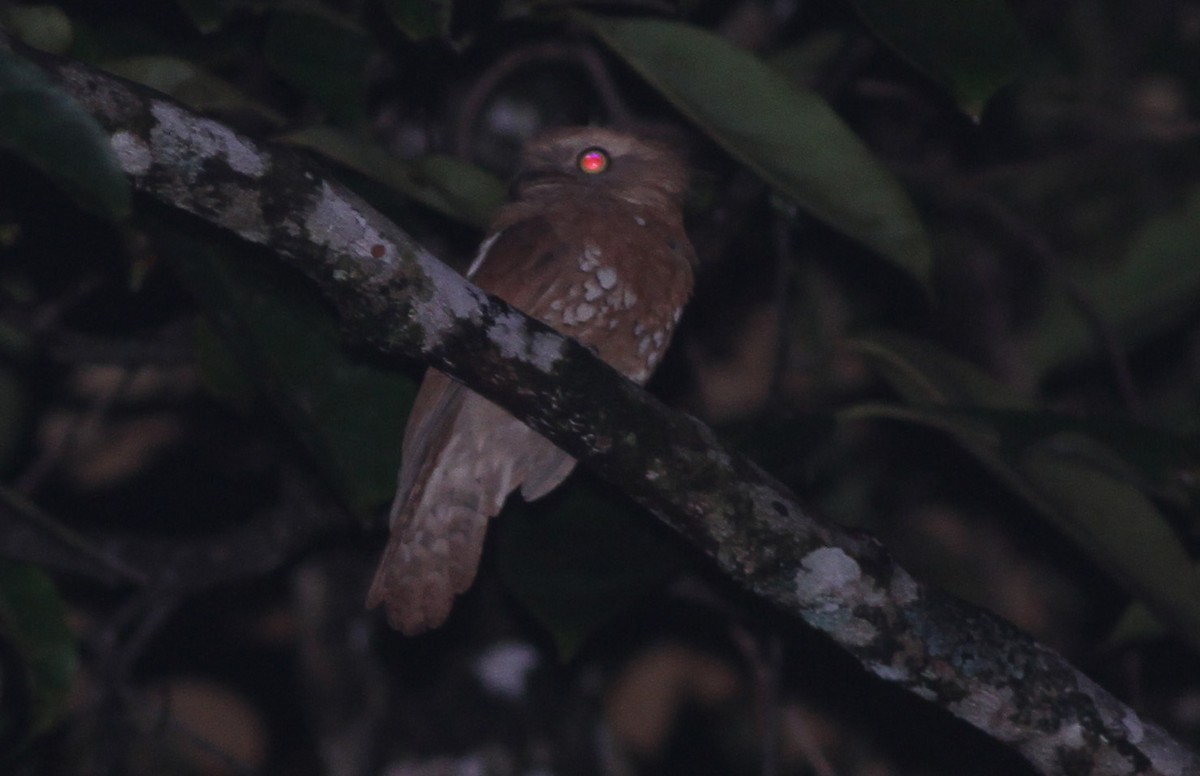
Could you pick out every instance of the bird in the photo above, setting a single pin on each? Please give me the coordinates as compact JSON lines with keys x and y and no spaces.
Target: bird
{"x":591,"y":242}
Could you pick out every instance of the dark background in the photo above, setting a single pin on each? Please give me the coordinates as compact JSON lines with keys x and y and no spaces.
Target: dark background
{"x":974,"y":332}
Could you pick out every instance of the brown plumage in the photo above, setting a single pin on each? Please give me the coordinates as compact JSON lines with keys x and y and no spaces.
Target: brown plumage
{"x":592,"y":244}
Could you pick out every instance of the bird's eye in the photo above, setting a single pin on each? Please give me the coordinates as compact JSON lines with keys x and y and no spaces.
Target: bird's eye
{"x":593,"y":160}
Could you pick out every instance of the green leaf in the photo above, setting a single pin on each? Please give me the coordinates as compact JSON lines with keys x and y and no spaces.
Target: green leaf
{"x":1080,"y":485}
{"x":922,"y":373}
{"x":807,"y":58}
{"x":43,"y":126}
{"x":580,"y":557}
{"x":44,"y":27}
{"x":192,"y":86}
{"x":973,"y":47}
{"x":449,"y":185}
{"x":1136,"y":624}
{"x":13,"y":418}
{"x":1159,"y":461}
{"x":1155,"y":286}
{"x":420,"y":19}
{"x":324,"y":56}
{"x":209,"y":15}
{"x":787,"y":135}
{"x":33,"y":621}
{"x":347,"y":411}
{"x":220,"y":372}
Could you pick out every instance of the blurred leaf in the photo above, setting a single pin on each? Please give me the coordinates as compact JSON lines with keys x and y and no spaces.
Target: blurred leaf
{"x":789,"y":136}
{"x":220,"y":372}
{"x":420,"y":19}
{"x":44,"y":27}
{"x":473,"y":193}
{"x":922,"y":373}
{"x":191,"y":85}
{"x":1156,"y":460}
{"x":324,"y":56}
{"x":1070,"y":478}
{"x":1155,"y":286}
{"x":1135,"y":624}
{"x":13,"y":420}
{"x":348,"y":412}
{"x":209,"y":15}
{"x":804,"y":60}
{"x":973,"y":47}
{"x":770,"y":440}
{"x":33,"y":620}
{"x":449,"y":185}
{"x":580,"y":557}
{"x":47,"y":129}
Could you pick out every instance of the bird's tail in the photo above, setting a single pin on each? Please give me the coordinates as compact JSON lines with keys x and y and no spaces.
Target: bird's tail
{"x":430,"y":558}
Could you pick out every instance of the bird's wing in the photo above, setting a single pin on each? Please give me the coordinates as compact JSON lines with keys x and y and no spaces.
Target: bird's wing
{"x":437,"y":400}
{"x":462,"y":456}
{"x":518,"y":268}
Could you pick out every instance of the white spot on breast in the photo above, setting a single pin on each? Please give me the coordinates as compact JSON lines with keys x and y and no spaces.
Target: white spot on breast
{"x":613,"y":323}
{"x":629,"y":299}
{"x":607,"y":277}
{"x":643,"y":345}
{"x":639,"y":220}
{"x":590,"y":258}
{"x":585,"y":312}
{"x":638,"y":329}
{"x":660,"y":337}
{"x":591,"y":291}
{"x":557,"y":304}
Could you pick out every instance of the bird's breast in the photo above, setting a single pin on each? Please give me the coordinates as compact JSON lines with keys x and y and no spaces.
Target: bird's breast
{"x":620,"y":288}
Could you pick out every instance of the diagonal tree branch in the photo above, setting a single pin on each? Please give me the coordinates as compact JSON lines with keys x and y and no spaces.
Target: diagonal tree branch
{"x":395,"y":296}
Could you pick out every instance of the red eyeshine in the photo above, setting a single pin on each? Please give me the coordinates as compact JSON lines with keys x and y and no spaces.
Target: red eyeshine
{"x":593,"y":160}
